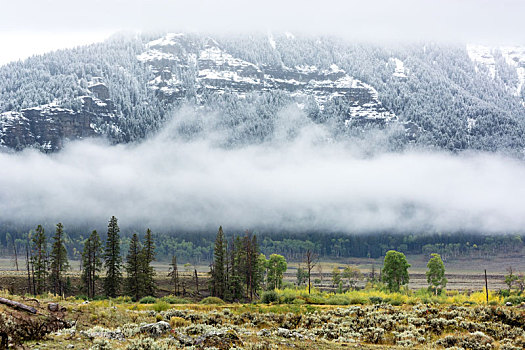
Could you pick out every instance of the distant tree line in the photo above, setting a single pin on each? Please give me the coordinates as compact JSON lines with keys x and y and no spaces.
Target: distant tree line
{"x":198,"y":247}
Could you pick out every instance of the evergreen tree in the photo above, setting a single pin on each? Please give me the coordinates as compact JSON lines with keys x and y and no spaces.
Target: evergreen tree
{"x":134,"y":269}
{"x":148,"y":256}
{"x":218,"y":270}
{"x":91,"y":263}
{"x":112,"y":260}
{"x":436,"y":273}
{"x":58,"y":261}
{"x":39,"y":261}
{"x":252,"y":261}
{"x":236,"y":270}
{"x":395,"y":270}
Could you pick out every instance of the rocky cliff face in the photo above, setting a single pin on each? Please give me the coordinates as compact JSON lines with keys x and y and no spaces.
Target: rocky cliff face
{"x":175,"y":57}
{"x":47,"y":127}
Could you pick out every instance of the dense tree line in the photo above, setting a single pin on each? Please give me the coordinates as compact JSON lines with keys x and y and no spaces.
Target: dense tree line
{"x":236,"y":271}
{"x":197,"y":247}
{"x":47,"y":268}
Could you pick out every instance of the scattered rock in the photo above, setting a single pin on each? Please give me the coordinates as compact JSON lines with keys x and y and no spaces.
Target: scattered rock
{"x":55,"y":307}
{"x":182,"y":338}
{"x":156,"y":329}
{"x":219,"y":339}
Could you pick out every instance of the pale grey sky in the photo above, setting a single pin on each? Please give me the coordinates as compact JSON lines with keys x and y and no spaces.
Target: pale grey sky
{"x":35,"y":26}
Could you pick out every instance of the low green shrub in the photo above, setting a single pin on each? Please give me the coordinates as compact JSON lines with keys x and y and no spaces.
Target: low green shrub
{"x":171,"y":299}
{"x":269,"y":297}
{"x":315,"y":299}
{"x":357,"y":300}
{"x":161,"y":306}
{"x":148,"y":300}
{"x":212,"y":301}
{"x":337,"y":299}
{"x":515,"y":300}
{"x":375,"y":300}
{"x":299,"y":301}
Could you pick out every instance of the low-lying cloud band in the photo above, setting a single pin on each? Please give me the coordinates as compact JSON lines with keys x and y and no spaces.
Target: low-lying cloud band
{"x":298,"y":185}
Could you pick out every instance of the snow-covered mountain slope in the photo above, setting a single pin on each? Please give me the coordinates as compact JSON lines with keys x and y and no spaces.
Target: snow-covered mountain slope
{"x":451,"y":97}
{"x":513,"y":56}
{"x":174,"y":56}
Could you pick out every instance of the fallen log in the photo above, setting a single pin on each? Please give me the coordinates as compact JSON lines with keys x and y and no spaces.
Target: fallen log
{"x":17,"y":305}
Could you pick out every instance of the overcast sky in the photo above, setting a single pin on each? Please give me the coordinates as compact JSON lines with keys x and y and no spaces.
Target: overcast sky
{"x":35,"y":26}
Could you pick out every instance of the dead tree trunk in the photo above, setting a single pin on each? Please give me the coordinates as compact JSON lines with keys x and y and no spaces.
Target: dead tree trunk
{"x":16,"y":254}
{"x":17,"y":305}
{"x":197,"y":281}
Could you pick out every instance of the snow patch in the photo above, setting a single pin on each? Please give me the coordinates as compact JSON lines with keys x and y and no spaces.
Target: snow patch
{"x":167,"y":40}
{"x":271,"y":40}
{"x":515,"y":56}
{"x":483,"y":55}
{"x":400,"y":70}
{"x":156,"y":55}
{"x":289,"y":35}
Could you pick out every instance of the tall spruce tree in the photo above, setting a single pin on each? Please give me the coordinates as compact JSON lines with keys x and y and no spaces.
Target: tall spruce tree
{"x":148,"y":256}
{"x":237,"y":269}
{"x":113,"y":260}
{"x":91,"y":263}
{"x":39,"y":260}
{"x":58,"y":261}
{"x":134,"y":269}
{"x":218,"y":282}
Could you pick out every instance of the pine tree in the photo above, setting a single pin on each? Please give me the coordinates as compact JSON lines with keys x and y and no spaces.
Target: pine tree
{"x":58,"y":260}
{"x":236,"y":271}
{"x":112,"y":260}
{"x":252,"y":260}
{"x":174,"y":275}
{"x":39,"y":260}
{"x":148,"y":256}
{"x":91,"y":263}
{"x":218,"y":270}
{"x":134,"y":269}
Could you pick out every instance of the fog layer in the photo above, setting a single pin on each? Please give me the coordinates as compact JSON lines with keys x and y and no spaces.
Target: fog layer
{"x":299,"y":180}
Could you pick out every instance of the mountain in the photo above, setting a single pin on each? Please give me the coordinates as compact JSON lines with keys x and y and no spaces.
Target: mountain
{"x":447,"y":96}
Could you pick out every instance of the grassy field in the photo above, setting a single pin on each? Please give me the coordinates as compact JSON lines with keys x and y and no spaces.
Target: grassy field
{"x":366,"y":318}
{"x":122,"y":324}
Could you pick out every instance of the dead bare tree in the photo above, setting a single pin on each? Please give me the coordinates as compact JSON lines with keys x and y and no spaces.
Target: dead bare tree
{"x":310,"y":259}
{"x":16,"y":252}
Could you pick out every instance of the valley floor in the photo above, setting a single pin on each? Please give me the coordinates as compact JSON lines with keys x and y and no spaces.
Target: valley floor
{"x":122,"y":324}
